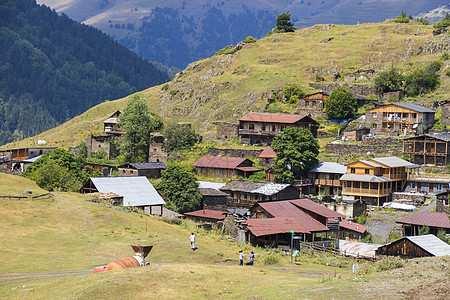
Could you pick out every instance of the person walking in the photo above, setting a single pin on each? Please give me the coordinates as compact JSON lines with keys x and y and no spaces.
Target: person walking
{"x":192,"y":239}
{"x":241,"y":258}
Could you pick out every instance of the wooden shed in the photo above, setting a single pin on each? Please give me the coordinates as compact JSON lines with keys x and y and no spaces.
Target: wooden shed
{"x":415,"y":246}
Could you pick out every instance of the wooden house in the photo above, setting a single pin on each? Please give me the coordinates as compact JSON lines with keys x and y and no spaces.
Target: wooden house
{"x":244,"y":194}
{"x":314,"y":104}
{"x":434,"y":220}
{"x":271,"y":223}
{"x":19,"y":154}
{"x":351,"y":231}
{"x":399,"y":118}
{"x":325,"y":177}
{"x":428,"y":149}
{"x":415,"y":246}
{"x":374,"y":180}
{"x":224,"y":166}
{"x":110,"y":125}
{"x":261,"y":128}
{"x":149,"y":169}
{"x":207,"y":216}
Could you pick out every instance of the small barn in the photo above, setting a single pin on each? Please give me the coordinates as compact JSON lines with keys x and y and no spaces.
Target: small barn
{"x":351,"y":231}
{"x":415,"y":246}
{"x":147,"y":169}
{"x":267,"y":157}
{"x":136,"y":191}
{"x":207,"y":216}
{"x":434,"y":220}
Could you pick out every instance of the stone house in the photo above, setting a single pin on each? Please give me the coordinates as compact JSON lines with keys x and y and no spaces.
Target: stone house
{"x":261,"y":128}
{"x":445,"y":118}
{"x":224,"y":166}
{"x":226,"y":130}
{"x":356,"y":135}
{"x":314,"y":104}
{"x":267,"y":157}
{"x":245,"y":194}
{"x":399,"y":118}
{"x":374,"y":180}
{"x":156,"y":152}
{"x":148,"y":169}
{"x":206,"y":216}
{"x":110,"y":125}
{"x":428,"y":149}
{"x":350,"y":209}
{"x":102,"y":143}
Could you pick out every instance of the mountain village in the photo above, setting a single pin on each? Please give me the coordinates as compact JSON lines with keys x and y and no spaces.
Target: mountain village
{"x":333,"y":185}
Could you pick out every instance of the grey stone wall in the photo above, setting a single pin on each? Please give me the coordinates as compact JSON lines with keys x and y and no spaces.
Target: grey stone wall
{"x":362,"y":149}
{"x":218,"y":203}
{"x":355,"y":88}
{"x":233,"y":152}
{"x":414,"y":197}
{"x":445,"y":119}
{"x":226,"y":130}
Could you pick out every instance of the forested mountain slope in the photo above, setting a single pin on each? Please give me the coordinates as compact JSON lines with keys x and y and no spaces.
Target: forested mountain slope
{"x":177,"y":32}
{"x":225,"y":87}
{"x":53,"y":68}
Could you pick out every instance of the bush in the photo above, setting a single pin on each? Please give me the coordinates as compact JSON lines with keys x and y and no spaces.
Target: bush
{"x":402,"y":18}
{"x":226,"y":50}
{"x":271,"y":259}
{"x":249,"y":40}
{"x":434,"y":66}
{"x":174,"y":92}
{"x":442,"y":24}
{"x":423,"y":21}
{"x":178,"y":137}
{"x":389,"y":81}
{"x":445,"y":57}
{"x":441,"y":234}
{"x":165,"y":87}
{"x":424,"y":230}
{"x":290,"y":91}
{"x":421,"y":81}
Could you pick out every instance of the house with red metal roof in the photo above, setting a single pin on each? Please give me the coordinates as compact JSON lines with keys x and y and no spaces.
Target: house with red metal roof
{"x":271,"y":223}
{"x":261,"y":128}
{"x":351,"y":231}
{"x":434,"y":220}
{"x":224,"y":167}
{"x":206,"y":216}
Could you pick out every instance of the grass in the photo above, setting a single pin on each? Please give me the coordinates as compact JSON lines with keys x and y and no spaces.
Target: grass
{"x":14,"y":185}
{"x":251,"y":74}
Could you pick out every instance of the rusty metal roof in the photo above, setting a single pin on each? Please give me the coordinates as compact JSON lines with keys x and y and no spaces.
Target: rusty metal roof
{"x":219,"y":162}
{"x":353,"y":226}
{"x":431,"y":219}
{"x":268,"y":153}
{"x":268,"y":226}
{"x":356,"y":249}
{"x":207,"y":213}
{"x":275,"y":118}
{"x":285,"y":209}
{"x":314,"y":207}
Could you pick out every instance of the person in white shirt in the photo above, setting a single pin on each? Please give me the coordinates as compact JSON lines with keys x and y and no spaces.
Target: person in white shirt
{"x":192,"y":239}
{"x":241,"y":258}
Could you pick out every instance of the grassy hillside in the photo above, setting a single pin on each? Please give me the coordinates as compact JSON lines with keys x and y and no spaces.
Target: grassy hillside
{"x":50,"y":246}
{"x":225,"y":87}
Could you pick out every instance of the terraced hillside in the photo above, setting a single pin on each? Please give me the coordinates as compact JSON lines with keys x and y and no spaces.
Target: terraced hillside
{"x":225,"y":87}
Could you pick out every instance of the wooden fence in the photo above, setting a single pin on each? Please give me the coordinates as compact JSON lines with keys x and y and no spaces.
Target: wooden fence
{"x":25,"y":197}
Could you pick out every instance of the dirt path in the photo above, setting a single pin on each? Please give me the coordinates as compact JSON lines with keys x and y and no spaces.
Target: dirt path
{"x":5,"y":276}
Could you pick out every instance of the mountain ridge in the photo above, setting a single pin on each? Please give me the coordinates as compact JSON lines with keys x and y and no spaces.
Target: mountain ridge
{"x":225,"y":87}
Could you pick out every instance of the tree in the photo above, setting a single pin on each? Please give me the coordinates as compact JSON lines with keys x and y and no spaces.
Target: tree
{"x":137,"y":122}
{"x":424,"y":230}
{"x":341,"y":104}
{"x":389,"y":81}
{"x":292,"y":93}
{"x":179,"y":188}
{"x":297,"y":150}
{"x":60,"y":170}
{"x":178,"y":137}
{"x":421,"y":81}
{"x":284,"y":24}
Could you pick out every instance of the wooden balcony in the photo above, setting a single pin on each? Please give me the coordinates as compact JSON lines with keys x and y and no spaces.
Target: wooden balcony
{"x":430,"y":177}
{"x":258,"y":132}
{"x":366,"y":192}
{"x":329,"y":182}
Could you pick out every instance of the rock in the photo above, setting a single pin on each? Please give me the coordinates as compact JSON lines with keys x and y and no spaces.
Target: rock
{"x":439,"y":31}
{"x":326,"y":40}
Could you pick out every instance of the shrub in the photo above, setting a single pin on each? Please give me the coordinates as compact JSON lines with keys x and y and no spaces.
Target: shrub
{"x":441,"y":234}
{"x":434,"y":66}
{"x":178,"y":137}
{"x":402,"y":18}
{"x":424,"y":230}
{"x":423,"y":21}
{"x":174,"y":92}
{"x":389,"y":81}
{"x":445,"y":56}
{"x":250,"y":40}
{"x":292,"y":90}
{"x":271,"y":259}
{"x":165,"y":87}
{"x":421,"y":81}
{"x":447,"y":73}
{"x":226,"y":50}
{"x":442,"y":24}
{"x":284,"y":23}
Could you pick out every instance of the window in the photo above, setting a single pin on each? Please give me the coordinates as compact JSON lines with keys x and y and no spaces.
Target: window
{"x":263,"y":127}
{"x":366,"y":171}
{"x":273,"y":128}
{"x":352,"y":170}
{"x":251,"y":126}
{"x":374,"y":115}
{"x":405,"y":115}
{"x":414,"y":116}
{"x":374,"y":126}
